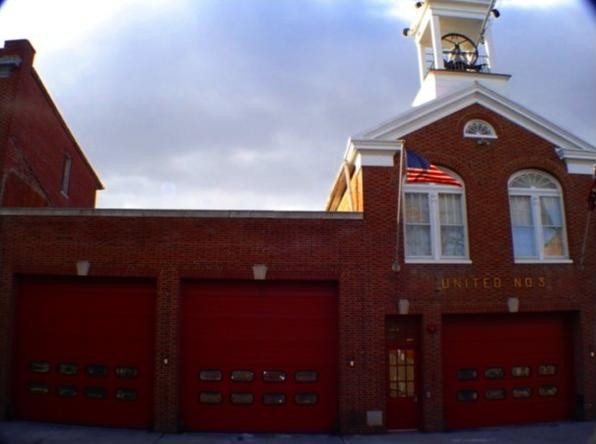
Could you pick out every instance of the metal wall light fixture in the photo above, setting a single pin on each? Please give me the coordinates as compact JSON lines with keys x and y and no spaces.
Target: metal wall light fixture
{"x":513,"y":304}
{"x":83,"y":266}
{"x":259,"y":272}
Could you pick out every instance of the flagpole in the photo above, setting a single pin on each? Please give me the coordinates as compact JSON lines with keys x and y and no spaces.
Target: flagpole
{"x":396,"y":266}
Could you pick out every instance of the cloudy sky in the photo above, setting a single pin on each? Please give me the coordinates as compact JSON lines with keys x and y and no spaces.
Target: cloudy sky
{"x":248,"y":104}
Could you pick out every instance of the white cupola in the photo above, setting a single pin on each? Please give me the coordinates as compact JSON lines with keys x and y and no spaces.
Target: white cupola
{"x":454,"y":50}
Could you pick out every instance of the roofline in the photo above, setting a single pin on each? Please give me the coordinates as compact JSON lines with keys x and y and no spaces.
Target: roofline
{"x":65,"y":127}
{"x":193,"y":214}
{"x":434,"y":110}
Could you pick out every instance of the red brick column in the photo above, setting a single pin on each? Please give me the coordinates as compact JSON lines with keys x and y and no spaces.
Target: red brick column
{"x":167,"y":351}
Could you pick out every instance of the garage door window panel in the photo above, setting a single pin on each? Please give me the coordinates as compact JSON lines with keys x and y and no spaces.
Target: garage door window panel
{"x":547,"y":370}
{"x":274,"y":399}
{"x":548,"y":390}
{"x":95,"y":393}
{"x":126,"y":394}
{"x":467,"y":395}
{"x":495,"y":394}
{"x":242,"y":398}
{"x":97,"y":370}
{"x":39,"y":388}
{"x":210,"y":398}
{"x":68,"y":369}
{"x":67,"y":391}
{"x":306,"y":376}
{"x":40,"y":366}
{"x":242,"y":376}
{"x":126,"y":372}
{"x":210,"y":375}
{"x":494,"y":373}
{"x":537,"y":218}
{"x":274,"y":376}
{"x":521,"y":392}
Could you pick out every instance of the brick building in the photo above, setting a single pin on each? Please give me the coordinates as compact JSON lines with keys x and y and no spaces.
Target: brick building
{"x":460,"y":294}
{"x":41,"y":164}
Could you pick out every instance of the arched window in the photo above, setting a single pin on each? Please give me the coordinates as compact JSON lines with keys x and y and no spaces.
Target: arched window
{"x":479,"y":129}
{"x":435,"y":221}
{"x":537,"y":218}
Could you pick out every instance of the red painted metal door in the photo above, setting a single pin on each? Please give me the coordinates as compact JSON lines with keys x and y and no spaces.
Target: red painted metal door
{"x":83,"y":351}
{"x":403,"y":373}
{"x":507,"y":370}
{"x":259,"y":356}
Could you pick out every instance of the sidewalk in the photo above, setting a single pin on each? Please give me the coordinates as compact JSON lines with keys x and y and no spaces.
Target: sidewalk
{"x":41,"y":433}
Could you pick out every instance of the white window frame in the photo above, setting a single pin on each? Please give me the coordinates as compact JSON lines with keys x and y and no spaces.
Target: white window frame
{"x":433,"y":191}
{"x":535,"y":194}
{"x":492,"y":134}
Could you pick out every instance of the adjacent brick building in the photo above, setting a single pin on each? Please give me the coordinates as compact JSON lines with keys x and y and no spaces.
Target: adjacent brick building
{"x":41,"y":164}
{"x":441,"y":298}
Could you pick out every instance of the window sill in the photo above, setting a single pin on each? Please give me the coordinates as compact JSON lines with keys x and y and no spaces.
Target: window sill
{"x":437,"y":261}
{"x":543,"y":261}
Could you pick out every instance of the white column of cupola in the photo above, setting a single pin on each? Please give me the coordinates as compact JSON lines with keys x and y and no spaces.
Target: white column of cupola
{"x":454,"y":51}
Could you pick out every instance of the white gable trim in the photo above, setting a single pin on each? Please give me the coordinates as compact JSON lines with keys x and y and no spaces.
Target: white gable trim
{"x":571,"y":149}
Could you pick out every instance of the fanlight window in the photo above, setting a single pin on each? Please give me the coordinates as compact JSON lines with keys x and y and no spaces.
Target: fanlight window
{"x":479,"y":129}
{"x":537,"y":217}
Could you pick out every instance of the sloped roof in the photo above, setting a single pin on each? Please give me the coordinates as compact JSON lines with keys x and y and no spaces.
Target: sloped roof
{"x":570,"y":148}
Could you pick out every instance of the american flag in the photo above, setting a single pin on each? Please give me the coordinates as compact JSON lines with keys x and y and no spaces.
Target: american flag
{"x":421,"y":170}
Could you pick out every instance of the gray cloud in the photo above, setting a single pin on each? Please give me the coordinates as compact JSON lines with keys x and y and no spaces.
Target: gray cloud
{"x":250,"y":104}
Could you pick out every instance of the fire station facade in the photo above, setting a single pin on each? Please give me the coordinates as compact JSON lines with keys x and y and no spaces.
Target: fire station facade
{"x":404,"y":305}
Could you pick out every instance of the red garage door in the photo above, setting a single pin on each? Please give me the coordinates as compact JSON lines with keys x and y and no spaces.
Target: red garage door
{"x":507,"y":370}
{"x":84,"y":351}
{"x":259,"y":356}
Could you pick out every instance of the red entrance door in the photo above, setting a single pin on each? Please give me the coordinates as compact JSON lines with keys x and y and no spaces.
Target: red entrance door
{"x":403,"y":362}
